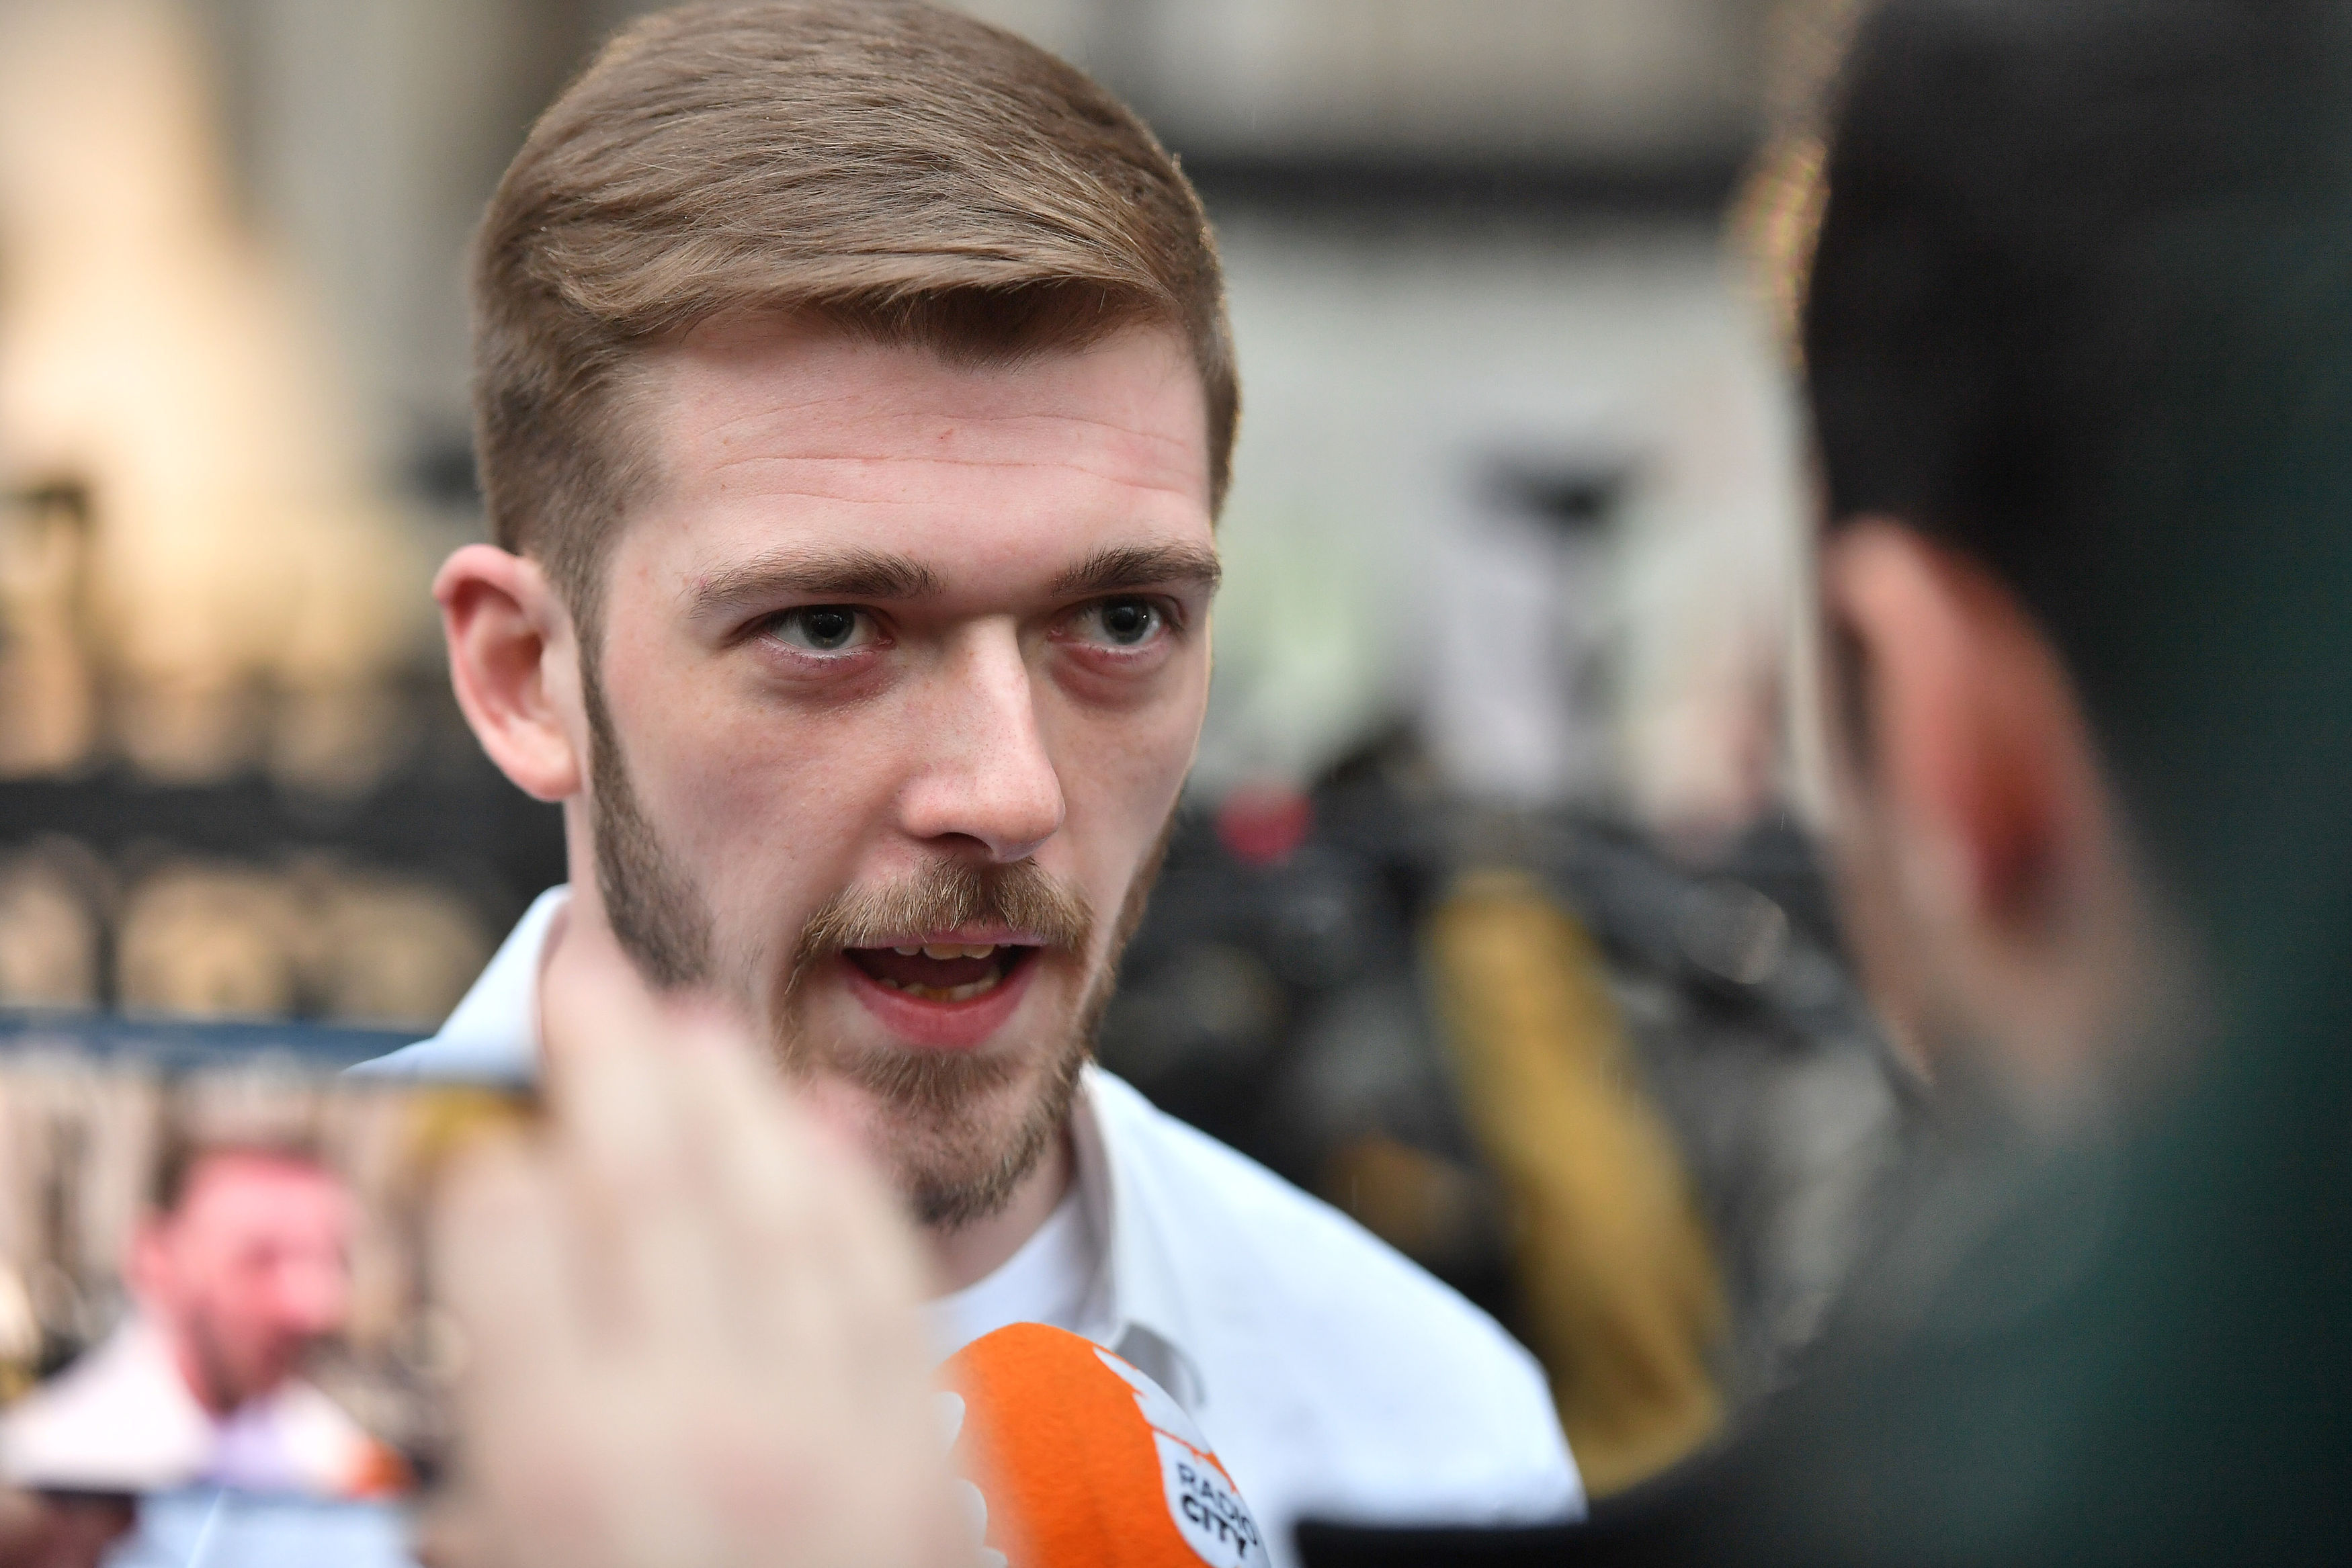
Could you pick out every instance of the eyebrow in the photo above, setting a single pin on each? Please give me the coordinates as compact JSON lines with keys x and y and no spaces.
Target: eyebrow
{"x":1118,"y":567}
{"x":803,"y":574}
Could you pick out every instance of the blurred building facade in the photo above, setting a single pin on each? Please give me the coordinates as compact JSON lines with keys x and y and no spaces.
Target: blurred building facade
{"x":1516,"y":477}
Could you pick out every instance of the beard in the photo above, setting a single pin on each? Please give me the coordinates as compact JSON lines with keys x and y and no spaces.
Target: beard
{"x":958,"y":1130}
{"x":230,"y":1380}
{"x":659,"y":918}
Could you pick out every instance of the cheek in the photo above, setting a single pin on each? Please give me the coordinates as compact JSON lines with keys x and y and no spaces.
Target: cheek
{"x":761,"y":811}
{"x":1121,"y":774}
{"x":771,"y":810}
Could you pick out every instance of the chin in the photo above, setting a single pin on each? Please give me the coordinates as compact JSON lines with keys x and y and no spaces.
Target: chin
{"x":955,"y":1131}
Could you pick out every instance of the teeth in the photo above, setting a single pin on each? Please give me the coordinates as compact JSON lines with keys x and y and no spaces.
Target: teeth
{"x":906,"y":952}
{"x":963,"y":993}
{"x":952,"y":950}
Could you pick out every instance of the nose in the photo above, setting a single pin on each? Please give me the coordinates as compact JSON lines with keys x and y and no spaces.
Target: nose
{"x":984,"y":776}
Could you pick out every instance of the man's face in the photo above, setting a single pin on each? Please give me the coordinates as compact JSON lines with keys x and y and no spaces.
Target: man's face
{"x":248,"y":1273}
{"x":901,"y":669}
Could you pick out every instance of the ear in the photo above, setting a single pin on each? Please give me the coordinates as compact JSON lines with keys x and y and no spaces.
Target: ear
{"x":514,"y":662}
{"x":148,"y":1274}
{"x":1969,"y":737}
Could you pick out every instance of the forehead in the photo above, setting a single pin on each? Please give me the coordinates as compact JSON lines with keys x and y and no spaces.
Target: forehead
{"x":242,"y":1193}
{"x":770,"y":431}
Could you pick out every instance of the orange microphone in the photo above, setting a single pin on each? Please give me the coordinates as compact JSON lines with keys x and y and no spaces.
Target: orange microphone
{"x":1084,"y":1462}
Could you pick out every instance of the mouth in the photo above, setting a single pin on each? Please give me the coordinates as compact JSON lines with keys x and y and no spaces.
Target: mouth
{"x":942,"y":973}
{"x":942,"y":995}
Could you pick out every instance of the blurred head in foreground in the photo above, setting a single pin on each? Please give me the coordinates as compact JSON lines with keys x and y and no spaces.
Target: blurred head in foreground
{"x":853,"y":400}
{"x":244,"y":1266}
{"x":2078,"y":342}
{"x":2079,"y":351}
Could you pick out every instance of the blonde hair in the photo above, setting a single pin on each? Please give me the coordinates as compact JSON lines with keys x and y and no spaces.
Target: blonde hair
{"x":902,"y":170}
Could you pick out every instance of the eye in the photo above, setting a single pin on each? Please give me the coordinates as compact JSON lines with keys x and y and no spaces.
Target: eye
{"x":824,"y":629}
{"x":1121,"y":622}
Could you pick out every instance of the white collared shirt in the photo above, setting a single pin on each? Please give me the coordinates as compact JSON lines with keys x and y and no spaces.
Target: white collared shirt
{"x":1336,"y":1379}
{"x":122,"y":1418}
{"x":1057,"y":1278}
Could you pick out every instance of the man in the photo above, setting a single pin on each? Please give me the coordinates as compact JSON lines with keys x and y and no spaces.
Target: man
{"x":855,"y":399}
{"x":2079,"y":350}
{"x":242,"y":1269}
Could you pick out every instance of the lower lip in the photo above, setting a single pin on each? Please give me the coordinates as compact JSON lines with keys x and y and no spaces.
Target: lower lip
{"x":942,"y":1026}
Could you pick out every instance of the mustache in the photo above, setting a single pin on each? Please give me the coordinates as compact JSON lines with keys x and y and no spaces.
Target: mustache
{"x":944,"y":895}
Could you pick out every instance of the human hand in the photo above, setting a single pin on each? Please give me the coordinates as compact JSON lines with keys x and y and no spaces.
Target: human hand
{"x":690,"y":1326}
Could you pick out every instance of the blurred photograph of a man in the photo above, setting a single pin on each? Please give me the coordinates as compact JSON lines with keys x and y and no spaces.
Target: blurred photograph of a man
{"x":854,"y":403}
{"x":239,"y":1273}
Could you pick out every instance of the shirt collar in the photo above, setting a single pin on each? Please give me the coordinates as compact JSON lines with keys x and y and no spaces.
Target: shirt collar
{"x":493,"y":1032}
{"x":1146,"y":1306}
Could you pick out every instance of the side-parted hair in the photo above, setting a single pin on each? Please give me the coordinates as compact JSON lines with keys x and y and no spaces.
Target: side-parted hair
{"x":901,"y":171}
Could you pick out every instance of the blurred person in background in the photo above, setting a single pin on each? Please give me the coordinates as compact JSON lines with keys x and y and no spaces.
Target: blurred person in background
{"x":854,"y":403}
{"x":237,"y":1275}
{"x":2078,"y":344}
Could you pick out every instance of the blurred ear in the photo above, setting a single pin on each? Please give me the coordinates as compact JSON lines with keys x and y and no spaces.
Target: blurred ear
{"x":1993,"y":904}
{"x":1965,"y":726}
{"x":514,"y":661}
{"x":148,"y":1272}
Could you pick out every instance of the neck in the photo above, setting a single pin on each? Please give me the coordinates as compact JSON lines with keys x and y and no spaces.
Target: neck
{"x":579,"y":944}
{"x":197,"y":1370}
{"x":970,"y":1253}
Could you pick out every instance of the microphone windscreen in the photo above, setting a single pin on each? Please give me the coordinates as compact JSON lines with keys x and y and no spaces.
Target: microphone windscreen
{"x":1084,"y":1462}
